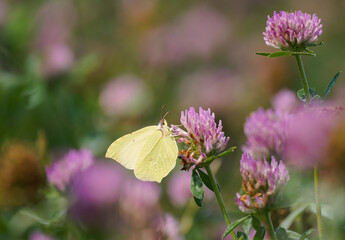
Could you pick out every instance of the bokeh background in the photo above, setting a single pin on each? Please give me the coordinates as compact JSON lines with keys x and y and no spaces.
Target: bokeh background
{"x":78,"y":74}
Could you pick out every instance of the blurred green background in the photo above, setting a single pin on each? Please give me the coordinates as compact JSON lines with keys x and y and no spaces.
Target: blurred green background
{"x":81,"y":73}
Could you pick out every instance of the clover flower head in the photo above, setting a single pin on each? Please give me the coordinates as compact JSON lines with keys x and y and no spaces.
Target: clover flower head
{"x":61,"y":172}
{"x":265,"y":131}
{"x":292,"y":30}
{"x":260,"y":182}
{"x":202,"y":136}
{"x":308,"y":134}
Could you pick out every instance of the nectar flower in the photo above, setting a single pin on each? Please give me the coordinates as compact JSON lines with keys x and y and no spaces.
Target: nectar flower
{"x":260,"y":182}
{"x":202,"y":137}
{"x":295,"y":31}
{"x":265,"y":131}
{"x":307,"y":136}
{"x":61,"y":172}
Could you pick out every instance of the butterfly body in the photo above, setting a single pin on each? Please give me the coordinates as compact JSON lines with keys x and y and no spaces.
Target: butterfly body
{"x":151,"y":152}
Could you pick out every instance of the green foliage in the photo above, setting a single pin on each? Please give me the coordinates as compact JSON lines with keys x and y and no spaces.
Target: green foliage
{"x":206,"y":179}
{"x":285,"y":53}
{"x":282,"y":234}
{"x":242,"y":236}
{"x":331,"y":84}
{"x":259,"y":228}
{"x":234,"y":224}
{"x":197,"y":189}
{"x":312,"y":92}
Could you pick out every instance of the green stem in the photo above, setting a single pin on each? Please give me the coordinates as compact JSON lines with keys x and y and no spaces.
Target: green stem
{"x":317,"y":202}
{"x":303,"y":77}
{"x":219,"y":199}
{"x":270,"y":225}
{"x":207,"y":161}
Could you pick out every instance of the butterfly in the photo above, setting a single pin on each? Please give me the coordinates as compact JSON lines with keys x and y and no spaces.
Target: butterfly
{"x":151,"y":151}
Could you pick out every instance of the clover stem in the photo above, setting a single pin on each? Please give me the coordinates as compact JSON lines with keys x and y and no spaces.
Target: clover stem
{"x":219,"y":199}
{"x":317,"y":202}
{"x":303,"y":77}
{"x":270,"y":225}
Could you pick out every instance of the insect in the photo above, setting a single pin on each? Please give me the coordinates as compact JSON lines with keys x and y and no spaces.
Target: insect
{"x":151,"y":151}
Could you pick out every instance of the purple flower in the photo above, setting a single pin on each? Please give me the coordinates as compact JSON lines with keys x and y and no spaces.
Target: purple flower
{"x":307,"y":139}
{"x":202,"y":136}
{"x":285,"y":101}
{"x":124,"y":95}
{"x":260,"y":182}
{"x":292,"y":30}
{"x":179,"y":188}
{"x":94,"y":195}
{"x":170,"y":227}
{"x":196,"y":34}
{"x":62,"y":171}
{"x":40,"y":236}
{"x":265,"y":131}
{"x":55,"y":21}
{"x":100,"y":184}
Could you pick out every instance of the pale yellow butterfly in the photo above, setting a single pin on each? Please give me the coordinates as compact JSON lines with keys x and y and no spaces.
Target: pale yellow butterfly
{"x":150,"y":151}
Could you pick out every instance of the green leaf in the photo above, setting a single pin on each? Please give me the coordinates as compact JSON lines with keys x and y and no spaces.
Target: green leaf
{"x":247,"y":225}
{"x":301,"y":94}
{"x":256,"y":223}
{"x":281,"y":234}
{"x":279,"y":54}
{"x":266,"y":54}
{"x":242,"y":236}
{"x":306,"y":234}
{"x":198,"y":201}
{"x":316,"y":44}
{"x":260,"y":233}
{"x":196,"y":186}
{"x":233,"y":225}
{"x":206,"y":180}
{"x":293,"y":235}
{"x":260,"y":230}
{"x":331,"y":84}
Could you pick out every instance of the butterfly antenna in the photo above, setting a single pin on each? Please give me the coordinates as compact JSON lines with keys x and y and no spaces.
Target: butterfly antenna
{"x":162,"y":111}
{"x":165,"y":115}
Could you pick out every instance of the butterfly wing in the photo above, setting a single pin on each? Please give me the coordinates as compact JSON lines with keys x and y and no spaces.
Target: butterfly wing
{"x":127,"y":149}
{"x":158,"y":157}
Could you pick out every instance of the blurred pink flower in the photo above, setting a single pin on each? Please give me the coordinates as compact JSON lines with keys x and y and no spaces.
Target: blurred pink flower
{"x":285,"y":101}
{"x":55,"y":21}
{"x":196,"y":34}
{"x":124,"y":95}
{"x":58,"y":58}
{"x":63,"y":170}
{"x":40,"y":236}
{"x":266,"y":132}
{"x":98,"y":185}
{"x":139,"y":201}
{"x":170,"y":227}
{"x":307,"y":137}
{"x":179,"y":188}
{"x":219,"y":89}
